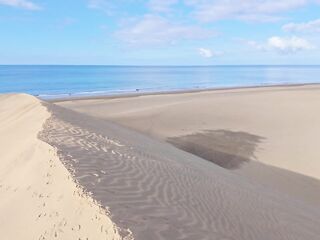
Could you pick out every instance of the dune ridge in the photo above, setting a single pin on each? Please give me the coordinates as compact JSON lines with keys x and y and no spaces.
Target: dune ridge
{"x":39,"y":198}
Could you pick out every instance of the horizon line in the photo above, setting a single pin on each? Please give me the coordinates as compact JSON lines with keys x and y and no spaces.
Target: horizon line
{"x":211,"y":65}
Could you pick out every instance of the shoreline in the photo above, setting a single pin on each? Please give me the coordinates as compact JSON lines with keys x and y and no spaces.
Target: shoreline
{"x":169,"y":92}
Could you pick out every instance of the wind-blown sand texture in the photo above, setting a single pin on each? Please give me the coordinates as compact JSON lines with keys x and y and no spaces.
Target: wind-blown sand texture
{"x":38,"y":197}
{"x":161,"y":192}
{"x":283,"y":120}
{"x":151,"y":187}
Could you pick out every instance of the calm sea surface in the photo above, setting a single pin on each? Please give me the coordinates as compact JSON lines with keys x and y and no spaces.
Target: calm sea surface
{"x":60,"y":81}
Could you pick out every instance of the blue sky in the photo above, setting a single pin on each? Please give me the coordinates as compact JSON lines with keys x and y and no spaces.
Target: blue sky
{"x":159,"y":32}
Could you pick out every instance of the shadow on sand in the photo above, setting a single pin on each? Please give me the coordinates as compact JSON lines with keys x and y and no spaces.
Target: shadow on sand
{"x":225,"y":148}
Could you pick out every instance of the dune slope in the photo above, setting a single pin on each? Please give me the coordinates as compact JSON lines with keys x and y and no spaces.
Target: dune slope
{"x":38,"y":197}
{"x":286,"y":118}
{"x":161,"y":192}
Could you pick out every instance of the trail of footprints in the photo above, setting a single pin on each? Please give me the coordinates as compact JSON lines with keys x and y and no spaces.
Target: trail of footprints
{"x":61,"y":223}
{"x":45,"y":199}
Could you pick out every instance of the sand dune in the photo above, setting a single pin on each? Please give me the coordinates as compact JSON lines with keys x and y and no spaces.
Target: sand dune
{"x":154,"y":189}
{"x":38,"y":197}
{"x":285,"y":119}
{"x":161,"y":192}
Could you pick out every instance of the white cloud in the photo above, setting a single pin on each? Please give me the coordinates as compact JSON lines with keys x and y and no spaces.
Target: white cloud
{"x":312,"y":27}
{"x":256,"y":45}
{"x":153,"y":29}
{"x":106,"y":6}
{"x":25,"y":4}
{"x":161,"y":5}
{"x":251,"y":10}
{"x":210,"y":10}
{"x":114,"y":7}
{"x":283,"y":45}
{"x":208,"y":53}
{"x":289,"y":45}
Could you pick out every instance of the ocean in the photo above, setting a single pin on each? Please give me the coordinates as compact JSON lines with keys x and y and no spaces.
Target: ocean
{"x":62,"y":81}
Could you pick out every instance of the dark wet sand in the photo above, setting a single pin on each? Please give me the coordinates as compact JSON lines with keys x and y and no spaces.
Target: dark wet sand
{"x":161,"y":192}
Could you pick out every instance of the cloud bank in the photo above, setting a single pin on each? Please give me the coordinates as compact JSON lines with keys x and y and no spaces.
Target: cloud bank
{"x":161,"y":5}
{"x":310,"y":27}
{"x":213,"y":10}
{"x":289,"y":45}
{"x":250,"y":10}
{"x":25,"y":4}
{"x":153,"y":29}
{"x":283,"y":45}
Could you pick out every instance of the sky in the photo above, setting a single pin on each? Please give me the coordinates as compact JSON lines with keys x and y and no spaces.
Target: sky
{"x":160,"y":32}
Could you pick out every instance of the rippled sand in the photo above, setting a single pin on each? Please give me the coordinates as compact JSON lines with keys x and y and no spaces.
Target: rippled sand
{"x":161,"y":192}
{"x":77,"y":175}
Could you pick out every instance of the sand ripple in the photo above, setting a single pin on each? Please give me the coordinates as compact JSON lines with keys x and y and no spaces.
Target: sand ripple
{"x":160,"y":192}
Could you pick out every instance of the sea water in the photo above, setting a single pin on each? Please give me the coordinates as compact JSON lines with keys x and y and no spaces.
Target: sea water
{"x":63,"y":81}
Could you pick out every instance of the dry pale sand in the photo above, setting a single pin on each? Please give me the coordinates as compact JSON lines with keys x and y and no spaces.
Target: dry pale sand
{"x":38,"y":197}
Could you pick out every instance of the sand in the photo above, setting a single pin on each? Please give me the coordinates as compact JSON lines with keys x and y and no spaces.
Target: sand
{"x":280,"y":125}
{"x":38,"y":196}
{"x":161,"y":192}
{"x":175,"y":166}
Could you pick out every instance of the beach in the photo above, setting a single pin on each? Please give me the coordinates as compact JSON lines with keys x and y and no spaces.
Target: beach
{"x":236,"y":163}
{"x":282,"y":121}
{"x":160,"y":120}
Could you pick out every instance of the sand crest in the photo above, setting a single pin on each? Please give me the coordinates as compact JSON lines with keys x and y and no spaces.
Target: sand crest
{"x":38,"y":196}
